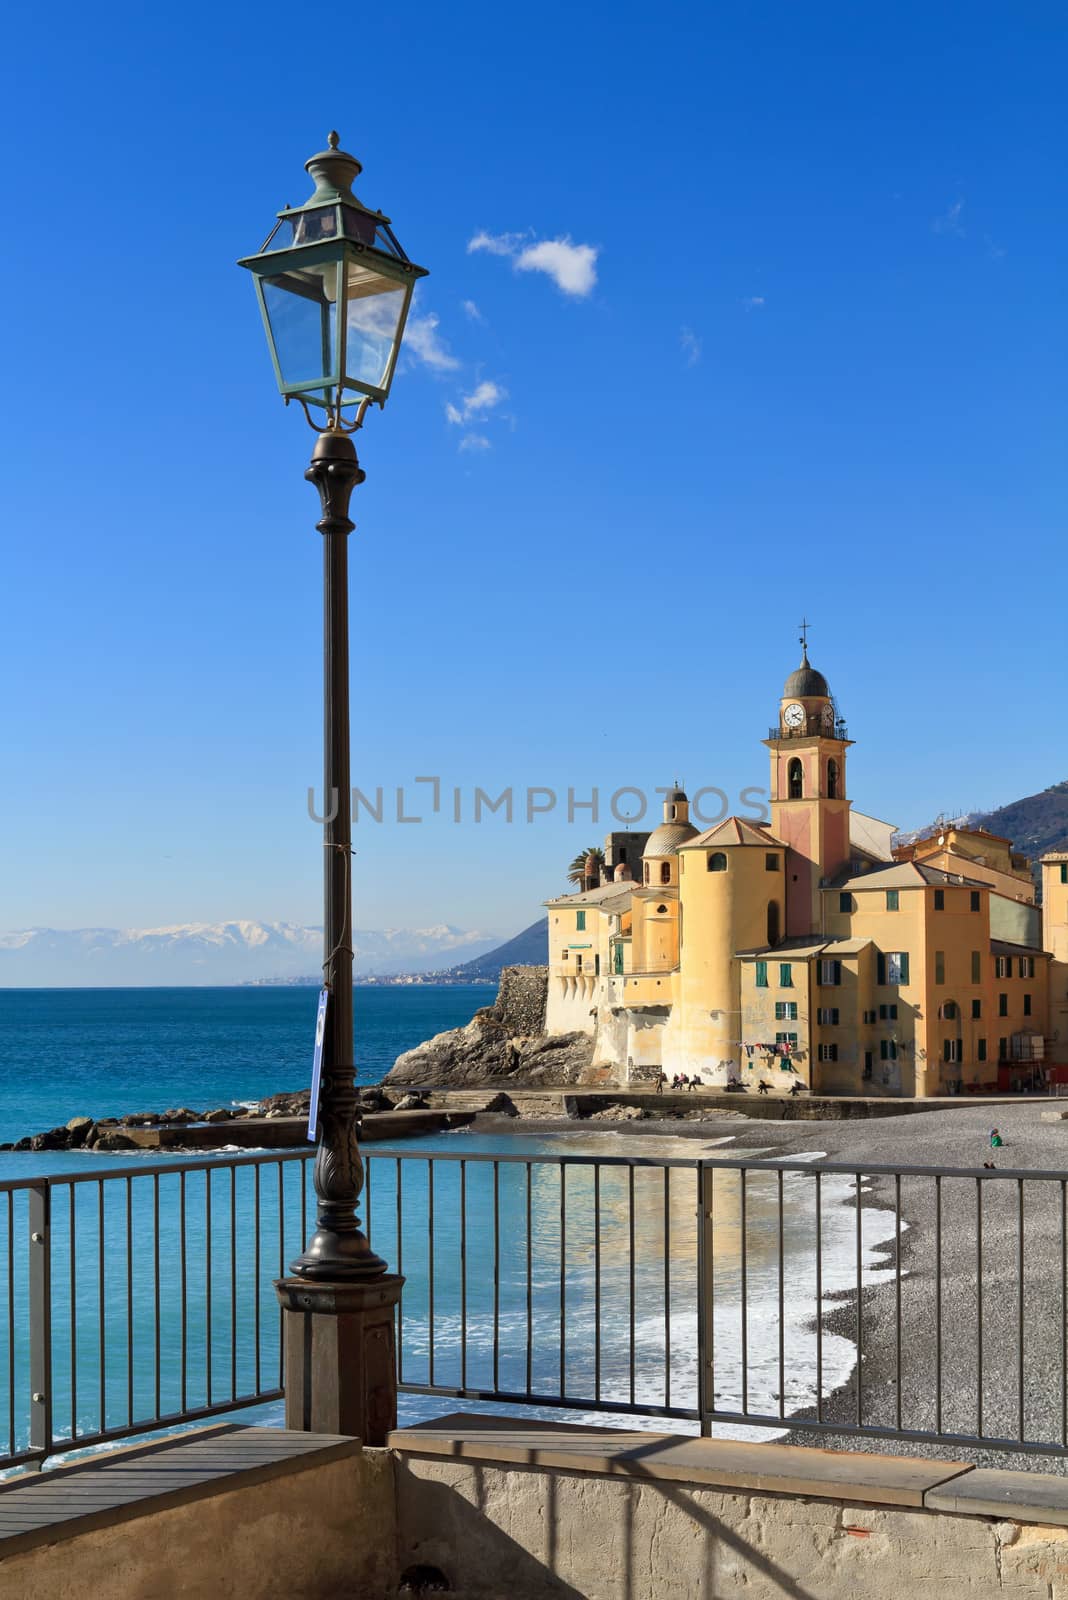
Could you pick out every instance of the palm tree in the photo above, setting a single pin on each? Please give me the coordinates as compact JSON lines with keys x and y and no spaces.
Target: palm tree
{"x":587,"y":863}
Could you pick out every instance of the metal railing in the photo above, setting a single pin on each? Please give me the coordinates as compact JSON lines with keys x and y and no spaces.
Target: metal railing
{"x":891,"y":1302}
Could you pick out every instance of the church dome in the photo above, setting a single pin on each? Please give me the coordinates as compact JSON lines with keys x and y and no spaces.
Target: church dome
{"x":665,"y":840}
{"x":805,"y":683}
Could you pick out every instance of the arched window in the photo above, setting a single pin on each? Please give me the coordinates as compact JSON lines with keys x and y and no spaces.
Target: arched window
{"x":717,"y":862}
{"x":671,"y":814}
{"x":795,"y":779}
{"x":647,"y":872}
{"x":773,"y":922}
{"x":661,"y":910}
{"x":665,"y":872}
{"x":832,"y":780}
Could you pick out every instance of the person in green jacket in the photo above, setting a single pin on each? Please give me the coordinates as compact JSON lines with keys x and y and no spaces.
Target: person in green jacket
{"x":996,"y":1140}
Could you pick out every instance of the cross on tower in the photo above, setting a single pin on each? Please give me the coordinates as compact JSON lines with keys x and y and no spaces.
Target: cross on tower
{"x":804,"y":625}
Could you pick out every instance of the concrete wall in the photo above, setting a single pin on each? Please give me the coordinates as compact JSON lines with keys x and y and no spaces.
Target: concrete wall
{"x":533,"y":1533}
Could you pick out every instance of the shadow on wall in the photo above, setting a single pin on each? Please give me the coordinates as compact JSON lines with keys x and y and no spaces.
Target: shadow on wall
{"x":481,"y":1533}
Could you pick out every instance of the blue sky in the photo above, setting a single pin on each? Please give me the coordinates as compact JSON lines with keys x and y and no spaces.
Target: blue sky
{"x":773,"y":324}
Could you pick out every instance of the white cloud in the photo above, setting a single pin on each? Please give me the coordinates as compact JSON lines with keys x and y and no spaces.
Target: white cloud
{"x":482,"y":399}
{"x":691,"y":346}
{"x":422,"y":340}
{"x":474,"y":441}
{"x":496,"y":244}
{"x":950,"y":222}
{"x":472,"y":311}
{"x":572,"y":267}
{"x":754,"y":302}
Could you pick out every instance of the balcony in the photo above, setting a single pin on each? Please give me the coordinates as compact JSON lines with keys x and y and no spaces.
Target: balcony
{"x":810,"y":729}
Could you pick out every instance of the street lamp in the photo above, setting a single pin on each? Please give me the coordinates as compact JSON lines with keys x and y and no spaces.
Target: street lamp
{"x":334,"y":288}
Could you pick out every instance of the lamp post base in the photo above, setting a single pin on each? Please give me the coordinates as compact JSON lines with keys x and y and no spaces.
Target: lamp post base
{"x":340,"y":1356}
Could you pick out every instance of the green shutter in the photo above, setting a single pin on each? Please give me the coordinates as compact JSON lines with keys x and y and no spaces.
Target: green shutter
{"x":977,"y":967}
{"x":981,"y":1050}
{"x":761,"y":974}
{"x":786,"y":977}
{"x":904,"y":966}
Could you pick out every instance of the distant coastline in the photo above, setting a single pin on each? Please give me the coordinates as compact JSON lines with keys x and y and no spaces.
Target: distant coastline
{"x":378,"y":980}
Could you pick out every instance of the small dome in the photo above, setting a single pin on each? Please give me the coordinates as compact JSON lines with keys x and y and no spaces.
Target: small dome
{"x":805,"y":683}
{"x":665,"y":840}
{"x":676,"y":794}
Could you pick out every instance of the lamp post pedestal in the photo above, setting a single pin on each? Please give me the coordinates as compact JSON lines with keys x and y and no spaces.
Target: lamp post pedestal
{"x":340,"y":1356}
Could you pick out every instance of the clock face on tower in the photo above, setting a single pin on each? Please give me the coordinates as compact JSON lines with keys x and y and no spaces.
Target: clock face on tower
{"x":828,"y":716}
{"x":794,"y":715}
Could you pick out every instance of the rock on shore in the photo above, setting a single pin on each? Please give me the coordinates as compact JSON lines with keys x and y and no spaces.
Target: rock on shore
{"x":503,"y":1043}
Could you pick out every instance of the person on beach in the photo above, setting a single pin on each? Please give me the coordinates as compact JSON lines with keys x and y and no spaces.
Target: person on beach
{"x":996,"y":1140}
{"x":661,"y":1079}
{"x":762,"y":1087}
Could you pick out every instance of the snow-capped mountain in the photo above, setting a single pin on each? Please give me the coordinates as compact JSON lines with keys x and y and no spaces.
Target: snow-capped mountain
{"x":217,"y":953}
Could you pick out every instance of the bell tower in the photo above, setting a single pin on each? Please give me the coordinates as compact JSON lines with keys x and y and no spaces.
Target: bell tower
{"x":809,"y":808}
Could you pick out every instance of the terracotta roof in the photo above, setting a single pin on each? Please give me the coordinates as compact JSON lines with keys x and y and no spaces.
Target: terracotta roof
{"x":732,"y":831}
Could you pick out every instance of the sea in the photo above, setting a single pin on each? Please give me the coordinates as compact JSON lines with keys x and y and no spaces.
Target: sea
{"x":612,"y":1308}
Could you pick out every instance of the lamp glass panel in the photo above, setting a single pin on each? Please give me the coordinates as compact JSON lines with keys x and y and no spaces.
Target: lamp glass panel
{"x":374,"y":306}
{"x":302,"y":313}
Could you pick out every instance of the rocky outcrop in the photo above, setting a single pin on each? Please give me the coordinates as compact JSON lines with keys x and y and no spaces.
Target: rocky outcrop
{"x":503,"y":1043}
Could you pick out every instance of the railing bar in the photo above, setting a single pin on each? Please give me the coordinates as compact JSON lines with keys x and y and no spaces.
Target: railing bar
{"x":496,"y":1274}
{"x":463,"y":1273}
{"x":129,"y":1303}
{"x":281,"y":1263}
{"x":156,"y":1302}
{"x":1020,"y":1306}
{"x":256,"y":1267}
{"x":367,"y":1167}
{"x":430,"y":1263}
{"x":400,"y":1273}
{"x":782,"y":1304}
{"x":11,"y":1322}
{"x":596,"y":1284}
{"x":207,"y":1281}
{"x":303,"y":1206}
{"x":563,"y":1279}
{"x":630,"y":1266}
{"x":73,"y":1232}
{"x":938,"y":1306}
{"x":979,"y":1304}
{"x":1064,"y":1313}
{"x":530,"y":1285}
{"x":897,"y":1297}
{"x":184,"y":1289}
{"x":233,"y":1280}
{"x":667,"y":1287}
{"x":819,"y":1297}
{"x":743,"y":1230}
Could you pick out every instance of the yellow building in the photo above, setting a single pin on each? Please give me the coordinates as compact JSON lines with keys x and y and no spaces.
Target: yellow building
{"x":813,"y":948}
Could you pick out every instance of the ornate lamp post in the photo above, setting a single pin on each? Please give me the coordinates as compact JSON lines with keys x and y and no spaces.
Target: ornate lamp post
{"x":334,"y":288}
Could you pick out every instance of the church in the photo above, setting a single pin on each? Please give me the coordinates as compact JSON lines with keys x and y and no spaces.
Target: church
{"x":812,"y":949}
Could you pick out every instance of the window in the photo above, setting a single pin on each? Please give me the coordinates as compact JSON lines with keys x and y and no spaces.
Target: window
{"x":977,"y":1008}
{"x":786,"y":1011}
{"x":646,"y":873}
{"x":832,"y":780}
{"x":1003,"y":1005}
{"x":771,"y":863}
{"x":661,"y":910}
{"x":1064,"y":871}
{"x":786,"y":975}
{"x":773,"y":922}
{"x":1003,"y":967}
{"x":888,"y":1013}
{"x":845,"y":902}
{"x":580,"y":921}
{"x":827,"y":1016}
{"x":829,"y":974}
{"x":980,"y":1049}
{"x":948,"y":1010}
{"x":717,"y":861}
{"x":975,"y":900}
{"x":1027,"y":966}
{"x":950,"y":1049}
{"x":870,"y":1016}
{"x":893,"y":967}
{"x":787,"y":1039}
{"x":940,"y":966}
{"x":564,"y":955}
{"x":868,"y":1065}
{"x":1027,"y":1005}
{"x":597,"y":966}
{"x":977,"y":967}
{"x":761,"y":974}
{"x":795,"y":780}
{"x":940,"y":899}
{"x":887,"y":1049}
{"x":828,"y":1052}
{"x":665,"y":872}
{"x":1003,"y":1049}
{"x":578,"y":962}
{"x":893,"y":902}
